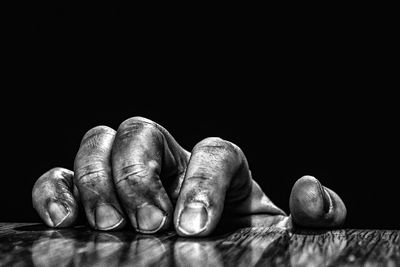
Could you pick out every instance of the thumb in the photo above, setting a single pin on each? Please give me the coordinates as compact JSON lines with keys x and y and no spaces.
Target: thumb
{"x":313,"y":205}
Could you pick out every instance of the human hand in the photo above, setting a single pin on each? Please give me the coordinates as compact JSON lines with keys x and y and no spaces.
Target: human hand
{"x":140,"y":175}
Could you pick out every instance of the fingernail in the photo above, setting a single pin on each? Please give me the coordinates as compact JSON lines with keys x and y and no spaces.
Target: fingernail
{"x":327,"y":202}
{"x":58,"y":213}
{"x":193,"y":219}
{"x":107,"y":217}
{"x":149,"y":218}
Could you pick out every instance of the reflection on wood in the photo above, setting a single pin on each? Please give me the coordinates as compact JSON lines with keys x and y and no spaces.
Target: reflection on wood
{"x":34,"y":244}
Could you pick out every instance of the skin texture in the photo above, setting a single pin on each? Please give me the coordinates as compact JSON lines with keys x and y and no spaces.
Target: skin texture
{"x":140,"y":175}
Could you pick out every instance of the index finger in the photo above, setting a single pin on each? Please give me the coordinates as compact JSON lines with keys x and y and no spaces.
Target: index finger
{"x":144,"y":160}
{"x":217,"y":179}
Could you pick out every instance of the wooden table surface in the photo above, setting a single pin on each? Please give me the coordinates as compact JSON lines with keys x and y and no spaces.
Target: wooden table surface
{"x":23,"y":244}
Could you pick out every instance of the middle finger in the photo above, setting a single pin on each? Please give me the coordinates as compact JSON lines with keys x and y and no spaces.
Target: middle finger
{"x":138,"y":154}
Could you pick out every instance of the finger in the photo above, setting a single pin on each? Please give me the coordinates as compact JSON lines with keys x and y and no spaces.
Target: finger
{"x":215,"y":166}
{"x":141,"y":154}
{"x":53,"y":198}
{"x":314,"y":205}
{"x":93,"y":178}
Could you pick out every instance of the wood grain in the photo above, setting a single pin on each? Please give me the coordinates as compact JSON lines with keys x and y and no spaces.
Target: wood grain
{"x":24,"y":244}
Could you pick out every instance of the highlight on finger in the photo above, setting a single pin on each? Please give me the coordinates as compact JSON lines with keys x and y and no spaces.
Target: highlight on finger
{"x":53,"y":199}
{"x":314,"y":205}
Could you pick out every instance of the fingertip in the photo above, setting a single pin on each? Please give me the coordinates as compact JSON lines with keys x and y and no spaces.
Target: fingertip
{"x":150,"y":219}
{"x":98,"y":130}
{"x":307,"y":199}
{"x":53,"y":200}
{"x":60,"y":214}
{"x":193,"y":220}
{"x":338,"y":211}
{"x":108,"y":218}
{"x":313,"y":205}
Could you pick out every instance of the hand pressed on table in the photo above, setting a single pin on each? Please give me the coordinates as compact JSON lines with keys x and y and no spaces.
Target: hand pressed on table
{"x":140,"y":175}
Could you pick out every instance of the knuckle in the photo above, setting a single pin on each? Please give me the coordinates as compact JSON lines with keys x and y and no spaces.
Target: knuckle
{"x":92,"y":182}
{"x":136,"y":125}
{"x":136,"y":121}
{"x":98,"y":130}
{"x":306,"y":179}
{"x":214,"y":143}
{"x":141,"y":119}
{"x":58,"y":172}
{"x":91,"y":172}
{"x":99,"y":136}
{"x":50,"y":181}
{"x":55,"y":174}
{"x":200,"y":176}
{"x":95,"y":146}
{"x":138,"y":173}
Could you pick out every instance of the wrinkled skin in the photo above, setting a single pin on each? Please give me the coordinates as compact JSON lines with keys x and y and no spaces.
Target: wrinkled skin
{"x":140,"y":175}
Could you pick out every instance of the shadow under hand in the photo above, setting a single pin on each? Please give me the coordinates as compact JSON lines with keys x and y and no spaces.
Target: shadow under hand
{"x":32,"y":228}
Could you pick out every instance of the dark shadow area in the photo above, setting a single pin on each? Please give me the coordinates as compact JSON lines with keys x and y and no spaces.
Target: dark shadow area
{"x":32,"y":228}
{"x":300,"y":96}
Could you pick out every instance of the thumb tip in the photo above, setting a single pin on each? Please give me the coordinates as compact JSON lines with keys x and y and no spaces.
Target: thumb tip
{"x":309,"y":202}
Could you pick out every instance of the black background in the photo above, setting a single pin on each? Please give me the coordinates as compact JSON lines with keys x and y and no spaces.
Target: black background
{"x":300,"y":95}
